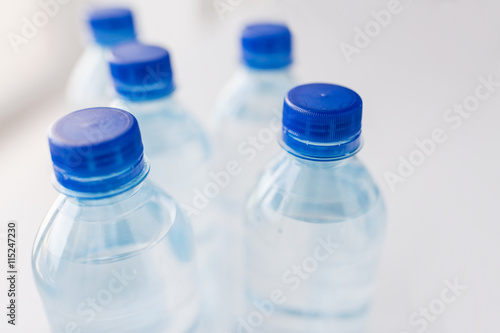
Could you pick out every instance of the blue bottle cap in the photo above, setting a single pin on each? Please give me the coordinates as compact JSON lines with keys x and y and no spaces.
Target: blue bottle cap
{"x":112,"y":25}
{"x":96,"y":150}
{"x":141,"y":72}
{"x":322,"y":121}
{"x":267,"y":46}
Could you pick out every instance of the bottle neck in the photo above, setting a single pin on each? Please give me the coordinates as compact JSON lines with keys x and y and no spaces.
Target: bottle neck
{"x":109,"y":39}
{"x":111,"y":198}
{"x":272,"y":75}
{"x":320,"y":163}
{"x":103,"y":187}
{"x":151,"y":90}
{"x":138,"y":108}
{"x":325,"y":152}
{"x":103,"y":47}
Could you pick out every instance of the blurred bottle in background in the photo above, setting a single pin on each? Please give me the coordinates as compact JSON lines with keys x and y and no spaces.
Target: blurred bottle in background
{"x":115,"y":253}
{"x":249,"y":107}
{"x":174,"y":141}
{"x":90,"y":82}
{"x":315,"y":221}
{"x":246,"y":121}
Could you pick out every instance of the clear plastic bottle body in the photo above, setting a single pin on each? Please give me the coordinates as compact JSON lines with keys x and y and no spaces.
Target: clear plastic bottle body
{"x":90,"y":82}
{"x":312,"y":237}
{"x":247,"y":120}
{"x":175,"y":143}
{"x":123,"y":263}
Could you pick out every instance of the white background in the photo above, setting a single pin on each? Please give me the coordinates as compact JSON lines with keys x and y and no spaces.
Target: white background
{"x":443,"y":220}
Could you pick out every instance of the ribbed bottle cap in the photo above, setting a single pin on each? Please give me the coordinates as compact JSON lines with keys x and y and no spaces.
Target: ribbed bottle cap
{"x":112,"y":25}
{"x":96,"y":150}
{"x":267,"y":46}
{"x":141,"y":72}
{"x":322,"y":121}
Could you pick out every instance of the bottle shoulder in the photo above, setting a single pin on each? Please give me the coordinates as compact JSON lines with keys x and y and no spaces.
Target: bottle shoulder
{"x":89,"y":79}
{"x":95,"y":231}
{"x":169,"y":111}
{"x":253,"y":95}
{"x":165,"y":107}
{"x":166,"y":124}
{"x":247,"y":82}
{"x":320,"y":192}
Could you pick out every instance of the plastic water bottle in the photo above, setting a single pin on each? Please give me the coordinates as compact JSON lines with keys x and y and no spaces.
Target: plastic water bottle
{"x":90,"y":83}
{"x":248,"y":111}
{"x":173,"y":139}
{"x":246,"y":121}
{"x":177,"y":146}
{"x":115,"y":253}
{"x":314,"y":223}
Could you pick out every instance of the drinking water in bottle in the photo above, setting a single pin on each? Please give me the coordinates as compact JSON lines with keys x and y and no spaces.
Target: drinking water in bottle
{"x":90,"y":82}
{"x":177,"y":146}
{"x":115,"y":253}
{"x":314,"y":223}
{"x":246,"y":121}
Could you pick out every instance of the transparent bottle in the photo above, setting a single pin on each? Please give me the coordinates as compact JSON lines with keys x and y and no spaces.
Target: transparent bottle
{"x":245,"y":124}
{"x":176,"y":144}
{"x":248,"y":110}
{"x":314,"y":223}
{"x":90,"y":82}
{"x":115,"y":253}
{"x":174,"y":141}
